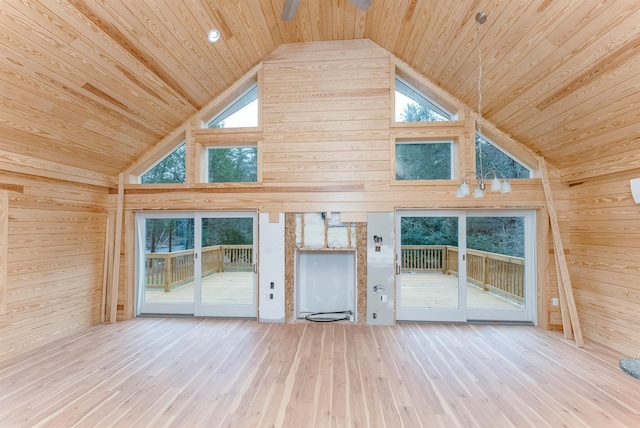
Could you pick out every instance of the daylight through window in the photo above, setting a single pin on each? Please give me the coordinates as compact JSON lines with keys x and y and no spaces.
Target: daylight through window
{"x":430,"y":160}
{"x":413,"y":106}
{"x":232,"y":164}
{"x":171,"y":169}
{"x":495,"y":159}
{"x":242,"y":113}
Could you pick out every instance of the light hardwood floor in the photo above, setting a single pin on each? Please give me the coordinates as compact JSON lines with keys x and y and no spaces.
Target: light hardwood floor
{"x":185,"y":372}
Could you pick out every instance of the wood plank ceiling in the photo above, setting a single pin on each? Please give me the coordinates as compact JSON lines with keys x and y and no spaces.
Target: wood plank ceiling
{"x":95,"y":84}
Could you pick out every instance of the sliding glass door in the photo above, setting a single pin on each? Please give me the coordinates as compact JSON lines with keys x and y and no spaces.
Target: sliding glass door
{"x":165,"y":263}
{"x":465,"y":265}
{"x":500,"y":266}
{"x":200,"y":264}
{"x":227,"y":281}
{"x":427,"y":256}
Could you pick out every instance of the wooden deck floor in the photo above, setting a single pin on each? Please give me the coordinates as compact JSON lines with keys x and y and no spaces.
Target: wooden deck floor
{"x":186,"y":372}
{"x":225,"y":288}
{"x":435,"y":290}
{"x":419,"y":290}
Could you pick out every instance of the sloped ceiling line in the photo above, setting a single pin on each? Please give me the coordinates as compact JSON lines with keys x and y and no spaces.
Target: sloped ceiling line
{"x":151,"y":64}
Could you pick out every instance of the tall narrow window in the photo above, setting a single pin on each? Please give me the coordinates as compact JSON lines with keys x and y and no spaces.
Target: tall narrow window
{"x":170,"y":169}
{"x":413,"y":106}
{"x":241,"y":113}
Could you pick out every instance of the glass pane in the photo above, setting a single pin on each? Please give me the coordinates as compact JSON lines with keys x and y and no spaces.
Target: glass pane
{"x":497,"y":160}
{"x":429,"y":262}
{"x":169,"y":260}
{"x":227,"y":261}
{"x":413,"y":106}
{"x":233,"y":165}
{"x":171,"y":169}
{"x":242,"y":113}
{"x":423,"y":161}
{"x":495,"y":263}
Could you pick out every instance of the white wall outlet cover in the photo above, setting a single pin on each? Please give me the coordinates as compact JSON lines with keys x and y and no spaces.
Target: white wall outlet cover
{"x":635,"y":189}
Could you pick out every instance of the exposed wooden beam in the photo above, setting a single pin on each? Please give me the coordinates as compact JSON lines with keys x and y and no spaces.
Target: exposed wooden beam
{"x":564,"y":280}
{"x":49,"y":169}
{"x":150,"y":63}
{"x":115,"y":271}
{"x":106,"y":263}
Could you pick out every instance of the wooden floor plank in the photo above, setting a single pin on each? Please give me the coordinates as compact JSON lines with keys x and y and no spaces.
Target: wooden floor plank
{"x":166,"y":372}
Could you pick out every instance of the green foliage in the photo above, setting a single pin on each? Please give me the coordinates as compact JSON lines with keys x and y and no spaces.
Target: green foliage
{"x":164,"y":235}
{"x":171,"y":169}
{"x":227,"y":231}
{"x":429,"y":231}
{"x":415,"y":112}
{"x":501,"y":235}
{"x":493,"y":158}
{"x":423,"y":161}
{"x":233,"y":164}
{"x":177,"y":234}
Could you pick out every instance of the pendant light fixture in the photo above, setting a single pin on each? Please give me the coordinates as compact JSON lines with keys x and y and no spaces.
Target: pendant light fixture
{"x":481,"y":177}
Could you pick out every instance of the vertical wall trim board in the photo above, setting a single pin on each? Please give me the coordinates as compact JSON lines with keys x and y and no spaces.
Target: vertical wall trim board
{"x":115,"y":275}
{"x":564,"y":280}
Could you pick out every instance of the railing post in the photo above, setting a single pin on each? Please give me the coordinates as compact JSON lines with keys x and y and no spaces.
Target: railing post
{"x":445,"y":260}
{"x":485,"y":273}
{"x":167,"y":272}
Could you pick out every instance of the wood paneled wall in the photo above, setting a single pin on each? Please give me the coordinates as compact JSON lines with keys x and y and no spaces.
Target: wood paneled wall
{"x":605,"y":263}
{"x":56,"y":236}
{"x":326,"y":135}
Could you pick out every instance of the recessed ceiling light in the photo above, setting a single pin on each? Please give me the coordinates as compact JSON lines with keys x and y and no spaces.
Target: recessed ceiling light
{"x":214,"y":35}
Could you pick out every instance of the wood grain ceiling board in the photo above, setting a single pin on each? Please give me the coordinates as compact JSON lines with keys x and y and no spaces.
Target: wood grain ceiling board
{"x":95,"y":85}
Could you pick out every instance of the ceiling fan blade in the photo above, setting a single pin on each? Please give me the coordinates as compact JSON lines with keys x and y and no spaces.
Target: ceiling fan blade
{"x":362,"y":4}
{"x":289,"y":9}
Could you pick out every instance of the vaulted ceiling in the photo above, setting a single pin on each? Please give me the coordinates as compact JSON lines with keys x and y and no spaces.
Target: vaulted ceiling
{"x":95,"y":84}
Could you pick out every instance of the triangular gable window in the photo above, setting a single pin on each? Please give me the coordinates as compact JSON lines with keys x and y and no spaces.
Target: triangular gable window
{"x":170,"y":169}
{"x":241,"y":113}
{"x":411,"y":105}
{"x":494,"y":158}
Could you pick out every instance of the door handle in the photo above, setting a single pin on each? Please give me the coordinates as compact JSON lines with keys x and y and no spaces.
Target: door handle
{"x":397,"y":269}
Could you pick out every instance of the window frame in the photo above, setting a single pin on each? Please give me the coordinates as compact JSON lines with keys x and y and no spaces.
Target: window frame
{"x":231,"y":108}
{"x":231,"y":146}
{"x":454,"y":153}
{"x":183,"y":142}
{"x":506,"y":153}
{"x":426,"y":100}
{"x":218,"y":139}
